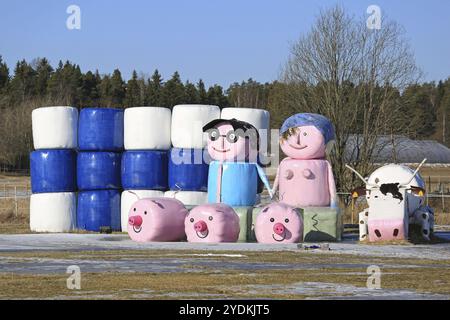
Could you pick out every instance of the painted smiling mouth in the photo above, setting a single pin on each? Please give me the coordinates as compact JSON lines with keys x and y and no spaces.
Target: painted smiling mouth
{"x":226,"y":150}
{"x":137,"y":229}
{"x":202,"y":235}
{"x":284,"y":237}
{"x":299,"y":147}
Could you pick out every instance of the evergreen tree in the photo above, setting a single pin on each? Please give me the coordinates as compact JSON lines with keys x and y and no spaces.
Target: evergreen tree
{"x":43,"y":73}
{"x":154,"y":88}
{"x":90,"y":95}
{"x":216,"y":97}
{"x":191,"y":94}
{"x":202,"y":95}
{"x":105,"y":90}
{"x":117,"y":89}
{"x":173,"y":92}
{"x":4,"y":74}
{"x":132,"y":96}
{"x":23,"y":82}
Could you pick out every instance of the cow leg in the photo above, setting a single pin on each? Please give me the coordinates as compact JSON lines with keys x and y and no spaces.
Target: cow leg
{"x":363,"y":228}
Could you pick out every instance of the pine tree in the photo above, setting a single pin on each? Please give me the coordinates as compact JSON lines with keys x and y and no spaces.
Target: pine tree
{"x":191,"y":93}
{"x":90,"y":89}
{"x":132,"y":96}
{"x":4,"y":74}
{"x":202,"y":95}
{"x":216,"y":97}
{"x":173,"y":92}
{"x":154,"y":88}
{"x":43,"y":73}
{"x":23,"y":82}
{"x":117,"y":89}
{"x":105,"y":90}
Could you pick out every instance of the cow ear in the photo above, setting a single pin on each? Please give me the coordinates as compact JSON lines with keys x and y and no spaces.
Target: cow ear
{"x":418,"y":191}
{"x":358,"y":192}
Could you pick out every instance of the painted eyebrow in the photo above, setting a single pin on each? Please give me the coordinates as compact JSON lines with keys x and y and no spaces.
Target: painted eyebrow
{"x":266,"y":209}
{"x":217,"y":210}
{"x":158,"y":204}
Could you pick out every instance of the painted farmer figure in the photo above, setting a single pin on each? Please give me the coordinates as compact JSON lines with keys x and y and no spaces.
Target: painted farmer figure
{"x":305,"y":177}
{"x":234,"y":172}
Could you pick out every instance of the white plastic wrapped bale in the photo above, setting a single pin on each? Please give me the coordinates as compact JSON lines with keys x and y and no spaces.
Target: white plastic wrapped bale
{"x":53,"y":212}
{"x":189,"y":198}
{"x":187,"y":124}
{"x":55,"y":127}
{"x":127,"y":200}
{"x":259,"y":118}
{"x":147,"y":128}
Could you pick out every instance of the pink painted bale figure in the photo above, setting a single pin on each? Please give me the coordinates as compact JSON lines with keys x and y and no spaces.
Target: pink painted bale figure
{"x":279,"y":223}
{"x":212,"y":223}
{"x":305,"y":177}
{"x":157,"y":220}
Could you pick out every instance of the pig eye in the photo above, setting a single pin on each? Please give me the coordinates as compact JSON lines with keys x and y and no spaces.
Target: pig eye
{"x":214,"y":135}
{"x":134,"y":209}
{"x":305,"y":134}
{"x":145,"y":212}
{"x":286,"y":220}
{"x":210,"y":218}
{"x":272,"y":219}
{"x":192,"y":220}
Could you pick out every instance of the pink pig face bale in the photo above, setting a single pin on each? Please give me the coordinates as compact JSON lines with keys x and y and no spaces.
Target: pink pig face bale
{"x":279,"y":223}
{"x":212,"y":223}
{"x":157,"y":219}
{"x":232,"y":140}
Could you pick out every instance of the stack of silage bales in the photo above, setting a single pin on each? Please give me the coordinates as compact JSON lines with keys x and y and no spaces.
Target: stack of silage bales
{"x":260,"y":119}
{"x":188,"y":166}
{"x":100,"y":142}
{"x":145,"y":161}
{"x":53,"y":169}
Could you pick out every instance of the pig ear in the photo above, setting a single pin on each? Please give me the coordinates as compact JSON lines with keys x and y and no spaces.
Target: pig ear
{"x":158,"y":204}
{"x":136,"y":195}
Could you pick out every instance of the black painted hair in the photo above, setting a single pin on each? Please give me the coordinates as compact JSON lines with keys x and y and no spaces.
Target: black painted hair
{"x":238,"y":126}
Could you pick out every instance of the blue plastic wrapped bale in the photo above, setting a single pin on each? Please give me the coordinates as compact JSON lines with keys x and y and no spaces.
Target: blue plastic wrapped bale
{"x":98,"y":170}
{"x":100,"y":129}
{"x":53,"y":171}
{"x":144,"y":170}
{"x":239,"y":183}
{"x":187,"y":170}
{"x":98,"y":209}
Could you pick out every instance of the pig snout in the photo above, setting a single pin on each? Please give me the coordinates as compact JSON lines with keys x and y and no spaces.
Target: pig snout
{"x":200,"y":226}
{"x":135,"y":221}
{"x":279,"y":228}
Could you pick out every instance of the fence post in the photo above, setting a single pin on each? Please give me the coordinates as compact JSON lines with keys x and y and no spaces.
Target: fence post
{"x":443,"y":201}
{"x":15,"y":201}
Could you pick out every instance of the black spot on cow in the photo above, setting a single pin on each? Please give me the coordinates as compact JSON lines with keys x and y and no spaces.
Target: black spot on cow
{"x":425,"y":231}
{"x":361,"y":222}
{"x":391,"y":188}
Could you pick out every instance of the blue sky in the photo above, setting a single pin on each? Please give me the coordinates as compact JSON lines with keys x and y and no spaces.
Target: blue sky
{"x":220,"y":41}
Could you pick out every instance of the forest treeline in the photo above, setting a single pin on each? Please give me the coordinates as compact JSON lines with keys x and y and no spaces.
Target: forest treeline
{"x":29,"y":85}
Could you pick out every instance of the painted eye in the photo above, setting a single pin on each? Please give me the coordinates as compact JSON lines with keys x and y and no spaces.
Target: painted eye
{"x":145,"y":212}
{"x":214,"y":135}
{"x":134,"y":209}
{"x":286,"y":220}
{"x":232,"y":137}
{"x":272,"y":219}
{"x":210,"y":218}
{"x":192,"y":220}
{"x":305,"y":134}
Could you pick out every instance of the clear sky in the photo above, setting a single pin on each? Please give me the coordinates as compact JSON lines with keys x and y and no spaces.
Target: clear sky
{"x":220,"y":41}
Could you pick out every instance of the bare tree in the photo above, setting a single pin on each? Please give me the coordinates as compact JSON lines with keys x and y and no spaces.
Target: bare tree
{"x":354,"y":76}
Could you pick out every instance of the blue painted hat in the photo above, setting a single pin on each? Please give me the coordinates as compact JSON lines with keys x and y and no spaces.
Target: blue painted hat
{"x":310,"y":119}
